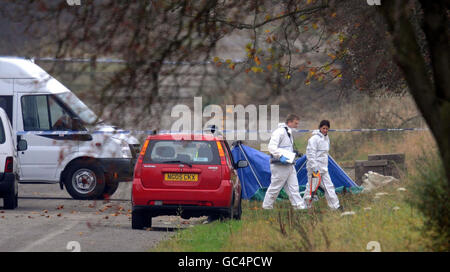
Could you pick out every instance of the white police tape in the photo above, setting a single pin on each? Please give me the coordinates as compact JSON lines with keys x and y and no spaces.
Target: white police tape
{"x":148,"y":132}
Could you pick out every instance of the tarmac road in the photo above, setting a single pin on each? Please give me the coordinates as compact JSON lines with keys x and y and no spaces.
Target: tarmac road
{"x":49,"y":220}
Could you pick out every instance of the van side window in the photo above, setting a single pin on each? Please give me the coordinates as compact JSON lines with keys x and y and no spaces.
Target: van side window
{"x":35,"y":113}
{"x":43,"y":112}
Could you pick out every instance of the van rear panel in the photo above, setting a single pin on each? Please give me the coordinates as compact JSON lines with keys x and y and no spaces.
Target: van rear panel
{"x":3,"y":146}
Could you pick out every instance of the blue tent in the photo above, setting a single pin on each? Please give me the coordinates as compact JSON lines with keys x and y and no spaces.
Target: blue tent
{"x":257,"y":175}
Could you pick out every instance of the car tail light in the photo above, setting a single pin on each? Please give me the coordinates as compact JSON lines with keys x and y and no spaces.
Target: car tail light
{"x":138,"y":167}
{"x":144,"y":148}
{"x":9,"y":165}
{"x":223,"y":160}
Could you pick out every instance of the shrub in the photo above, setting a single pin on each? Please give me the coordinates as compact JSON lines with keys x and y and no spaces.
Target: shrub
{"x":430,"y":194}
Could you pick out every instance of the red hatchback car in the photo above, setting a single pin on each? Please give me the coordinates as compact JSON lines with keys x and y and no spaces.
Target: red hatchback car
{"x":186,"y":175}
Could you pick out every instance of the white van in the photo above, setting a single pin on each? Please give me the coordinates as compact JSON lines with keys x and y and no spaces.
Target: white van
{"x":8,"y":163}
{"x":89,"y":165}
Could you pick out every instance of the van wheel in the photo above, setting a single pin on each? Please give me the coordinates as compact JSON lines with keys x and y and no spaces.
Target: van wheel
{"x":140,"y":220}
{"x":11,"y":201}
{"x":110,"y":189}
{"x":85,"y":181}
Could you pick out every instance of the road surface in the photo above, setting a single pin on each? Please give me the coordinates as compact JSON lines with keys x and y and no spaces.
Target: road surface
{"x":48,"y":220}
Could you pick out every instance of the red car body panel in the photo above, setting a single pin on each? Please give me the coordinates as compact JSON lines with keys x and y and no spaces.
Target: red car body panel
{"x":217,"y":185}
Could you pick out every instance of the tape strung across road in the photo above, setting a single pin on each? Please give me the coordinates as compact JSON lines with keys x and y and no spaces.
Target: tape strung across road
{"x":148,"y":132}
{"x":69,"y":198}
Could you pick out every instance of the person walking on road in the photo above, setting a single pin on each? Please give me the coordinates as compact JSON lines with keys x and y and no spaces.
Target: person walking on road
{"x":281,"y":148}
{"x":317,"y":164}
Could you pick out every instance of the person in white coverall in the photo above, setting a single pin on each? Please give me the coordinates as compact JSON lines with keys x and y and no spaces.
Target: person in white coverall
{"x":317,"y":162}
{"x":283,"y":172}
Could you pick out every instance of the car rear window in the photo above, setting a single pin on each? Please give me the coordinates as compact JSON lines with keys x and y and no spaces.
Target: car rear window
{"x":172,"y":151}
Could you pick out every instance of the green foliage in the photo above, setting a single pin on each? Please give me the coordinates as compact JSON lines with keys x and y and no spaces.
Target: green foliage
{"x":389,"y":220}
{"x":202,"y":238}
{"x":430,"y":194}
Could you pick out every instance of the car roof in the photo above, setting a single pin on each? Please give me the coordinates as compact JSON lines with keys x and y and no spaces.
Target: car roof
{"x":187,"y":137}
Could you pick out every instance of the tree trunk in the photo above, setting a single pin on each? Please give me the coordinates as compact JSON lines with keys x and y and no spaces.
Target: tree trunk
{"x":430,"y":89}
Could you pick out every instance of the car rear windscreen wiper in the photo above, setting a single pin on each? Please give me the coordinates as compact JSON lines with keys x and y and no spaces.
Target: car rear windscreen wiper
{"x":182,"y":162}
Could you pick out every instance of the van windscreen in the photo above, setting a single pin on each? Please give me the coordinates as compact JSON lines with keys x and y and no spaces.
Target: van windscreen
{"x":78,"y":107}
{"x":189,"y":152}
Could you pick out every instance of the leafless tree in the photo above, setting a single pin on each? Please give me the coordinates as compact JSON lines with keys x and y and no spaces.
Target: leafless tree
{"x":398,"y":46}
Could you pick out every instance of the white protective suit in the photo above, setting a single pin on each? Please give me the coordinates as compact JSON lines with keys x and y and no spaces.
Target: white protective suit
{"x":317,"y":156}
{"x":283,"y":175}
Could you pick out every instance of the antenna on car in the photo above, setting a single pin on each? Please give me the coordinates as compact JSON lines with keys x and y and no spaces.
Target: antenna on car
{"x":214,"y":130}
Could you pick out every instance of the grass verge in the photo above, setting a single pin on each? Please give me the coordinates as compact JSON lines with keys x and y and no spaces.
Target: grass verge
{"x":383,"y":217}
{"x":210,"y":237}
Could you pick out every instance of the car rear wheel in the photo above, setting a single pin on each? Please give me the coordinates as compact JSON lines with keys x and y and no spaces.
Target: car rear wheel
{"x":231,"y":212}
{"x":85,"y":181}
{"x":238,"y":213}
{"x":11,"y":201}
{"x":140,"y":220}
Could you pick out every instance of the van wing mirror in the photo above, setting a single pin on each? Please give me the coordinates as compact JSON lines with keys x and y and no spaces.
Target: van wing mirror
{"x":22,"y":145}
{"x":242,"y":164}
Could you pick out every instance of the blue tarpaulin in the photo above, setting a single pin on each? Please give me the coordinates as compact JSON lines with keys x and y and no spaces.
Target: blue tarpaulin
{"x":257,"y":175}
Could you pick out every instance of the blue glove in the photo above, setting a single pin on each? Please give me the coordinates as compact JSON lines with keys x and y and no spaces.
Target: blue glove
{"x":283,"y":160}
